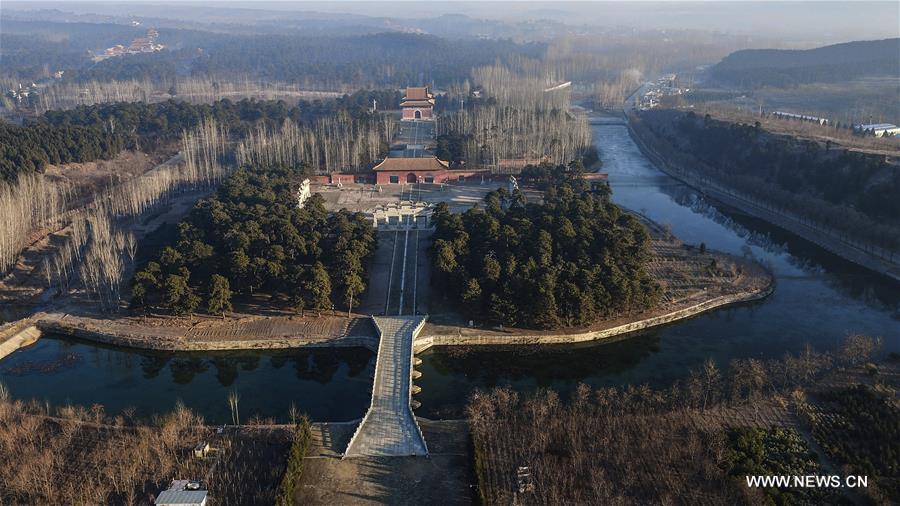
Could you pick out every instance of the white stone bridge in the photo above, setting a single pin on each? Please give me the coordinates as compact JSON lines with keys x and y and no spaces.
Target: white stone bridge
{"x":389,"y":428}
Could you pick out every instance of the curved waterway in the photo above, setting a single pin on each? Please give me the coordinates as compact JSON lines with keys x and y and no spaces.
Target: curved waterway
{"x":819,"y":299}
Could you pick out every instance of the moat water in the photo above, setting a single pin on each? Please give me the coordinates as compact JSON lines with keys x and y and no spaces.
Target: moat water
{"x":328,"y":384}
{"x":818,"y":299}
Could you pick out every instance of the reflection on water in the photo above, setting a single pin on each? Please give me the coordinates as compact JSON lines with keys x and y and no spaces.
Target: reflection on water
{"x":328,"y":384}
{"x":543,"y":365}
{"x":819,"y":299}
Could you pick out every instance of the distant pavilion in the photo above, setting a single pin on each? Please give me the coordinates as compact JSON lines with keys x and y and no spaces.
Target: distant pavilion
{"x":418,"y":104}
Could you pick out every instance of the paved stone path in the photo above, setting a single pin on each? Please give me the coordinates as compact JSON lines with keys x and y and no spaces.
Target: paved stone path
{"x":389,"y":428}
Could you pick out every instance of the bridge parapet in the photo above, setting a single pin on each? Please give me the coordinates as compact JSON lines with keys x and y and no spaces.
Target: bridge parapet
{"x":389,"y":427}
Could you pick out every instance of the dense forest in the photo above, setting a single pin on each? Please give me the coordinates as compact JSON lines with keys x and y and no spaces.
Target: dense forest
{"x":30,"y":57}
{"x":251,"y":237}
{"x":101,"y":131}
{"x":851,"y":191}
{"x":839,"y":62}
{"x":567,"y":261}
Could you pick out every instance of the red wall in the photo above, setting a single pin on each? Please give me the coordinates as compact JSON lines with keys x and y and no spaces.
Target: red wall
{"x":410,"y":112}
{"x":440,"y":176}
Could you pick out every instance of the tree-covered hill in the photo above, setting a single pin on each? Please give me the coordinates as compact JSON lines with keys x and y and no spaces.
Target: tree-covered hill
{"x":339,"y":59}
{"x":568,"y":261}
{"x":835,"y":63}
{"x":251,"y":237}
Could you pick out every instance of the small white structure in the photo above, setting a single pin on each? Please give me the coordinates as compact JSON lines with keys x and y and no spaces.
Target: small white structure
{"x":303,"y":193}
{"x":558,"y":87}
{"x":182,"y":498}
{"x":182,"y":493}
{"x":524,"y":479}
{"x":513,"y":184}
{"x":201,"y":450}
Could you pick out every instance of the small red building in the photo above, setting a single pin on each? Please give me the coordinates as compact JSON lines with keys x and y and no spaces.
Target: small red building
{"x":419,"y":170}
{"x":418,"y":104}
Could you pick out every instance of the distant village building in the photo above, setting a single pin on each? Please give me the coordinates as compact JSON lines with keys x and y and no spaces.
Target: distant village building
{"x":146,"y":44}
{"x":22,"y":92}
{"x":417,"y":104}
{"x":878,"y":129}
{"x":655,"y":91}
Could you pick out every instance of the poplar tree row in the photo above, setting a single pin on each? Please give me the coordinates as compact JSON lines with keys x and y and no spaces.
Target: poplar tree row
{"x":519,"y":117}
{"x":330,"y":144}
{"x":97,"y":248}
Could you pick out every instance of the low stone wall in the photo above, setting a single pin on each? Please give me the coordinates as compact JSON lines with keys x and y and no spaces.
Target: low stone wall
{"x":184,"y":344}
{"x":17,"y":335}
{"x":423,"y":343}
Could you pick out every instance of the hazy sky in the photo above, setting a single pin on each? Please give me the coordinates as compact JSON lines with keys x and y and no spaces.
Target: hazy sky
{"x":797,"y":20}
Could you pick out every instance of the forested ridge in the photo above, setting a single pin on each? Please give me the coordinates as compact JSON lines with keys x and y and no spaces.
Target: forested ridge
{"x":851,"y":191}
{"x":251,"y":237}
{"x":838,"y":62}
{"x":367,"y":60}
{"x":100,"y":131}
{"x":568,"y":261}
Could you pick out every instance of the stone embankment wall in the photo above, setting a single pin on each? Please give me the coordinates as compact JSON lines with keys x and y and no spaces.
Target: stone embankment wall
{"x":185,"y":345}
{"x":823,"y":238}
{"x":17,"y":335}
{"x":466,"y":339}
{"x":25,"y":332}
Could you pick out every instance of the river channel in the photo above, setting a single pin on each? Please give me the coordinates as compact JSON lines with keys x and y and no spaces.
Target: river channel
{"x":818,"y":299}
